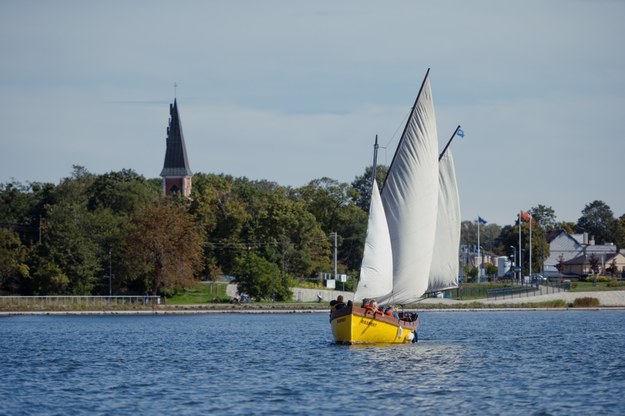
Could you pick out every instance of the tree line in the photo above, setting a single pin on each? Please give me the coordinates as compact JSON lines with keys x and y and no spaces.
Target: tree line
{"x":116,"y":233}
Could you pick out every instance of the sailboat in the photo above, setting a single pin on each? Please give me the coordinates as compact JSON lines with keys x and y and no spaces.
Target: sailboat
{"x":404,"y":234}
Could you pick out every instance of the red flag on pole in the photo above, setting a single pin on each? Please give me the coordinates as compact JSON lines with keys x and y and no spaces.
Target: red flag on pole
{"x":525,"y":216}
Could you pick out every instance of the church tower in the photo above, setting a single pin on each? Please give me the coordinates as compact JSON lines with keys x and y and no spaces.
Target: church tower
{"x":176,"y":173}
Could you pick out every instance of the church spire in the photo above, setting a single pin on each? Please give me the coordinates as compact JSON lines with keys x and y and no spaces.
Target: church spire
{"x":176,"y":173}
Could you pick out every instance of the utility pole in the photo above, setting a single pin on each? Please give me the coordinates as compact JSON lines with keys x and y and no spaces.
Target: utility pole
{"x":110,"y":273}
{"x":334,"y":234}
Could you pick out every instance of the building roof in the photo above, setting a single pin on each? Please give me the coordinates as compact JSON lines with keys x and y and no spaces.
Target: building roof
{"x":585,"y":258}
{"x":176,"y":161}
{"x":553,"y":234}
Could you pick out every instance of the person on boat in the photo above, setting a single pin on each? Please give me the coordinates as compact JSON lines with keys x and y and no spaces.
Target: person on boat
{"x":371,"y":305}
{"x":390,"y":311}
{"x":337,"y":304}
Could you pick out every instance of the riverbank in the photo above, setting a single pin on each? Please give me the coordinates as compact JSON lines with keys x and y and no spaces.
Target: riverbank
{"x":607,"y":300}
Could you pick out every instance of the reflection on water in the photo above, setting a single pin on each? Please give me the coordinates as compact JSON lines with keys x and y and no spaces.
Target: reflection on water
{"x":464,"y":363}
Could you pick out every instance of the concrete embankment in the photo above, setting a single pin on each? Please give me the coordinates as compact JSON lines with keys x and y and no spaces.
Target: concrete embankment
{"x":614,"y":298}
{"x":609,"y":299}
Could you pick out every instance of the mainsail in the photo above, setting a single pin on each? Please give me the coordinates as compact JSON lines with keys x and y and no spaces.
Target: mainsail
{"x":444,"y":269}
{"x":410,"y":199}
{"x":376,"y":271}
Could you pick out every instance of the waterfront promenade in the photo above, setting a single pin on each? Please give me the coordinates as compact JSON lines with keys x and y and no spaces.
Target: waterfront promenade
{"x":613,"y":298}
{"x":308,"y":298}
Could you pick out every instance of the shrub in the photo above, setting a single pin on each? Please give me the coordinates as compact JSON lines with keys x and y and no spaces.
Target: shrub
{"x":599,"y":279}
{"x":585,"y":302}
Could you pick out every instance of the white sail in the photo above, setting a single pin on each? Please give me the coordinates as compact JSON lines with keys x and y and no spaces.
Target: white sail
{"x":376,"y":271}
{"x":410,"y":199}
{"x":444,"y":269}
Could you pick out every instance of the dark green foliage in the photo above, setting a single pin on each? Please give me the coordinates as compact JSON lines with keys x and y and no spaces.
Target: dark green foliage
{"x":598,"y":221}
{"x":261,"y":279}
{"x":362,"y":186}
{"x":66,"y":238}
{"x":13,"y":267}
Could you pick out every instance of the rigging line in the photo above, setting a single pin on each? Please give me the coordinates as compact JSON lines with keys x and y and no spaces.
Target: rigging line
{"x":393,"y":137}
{"x":400,"y":125}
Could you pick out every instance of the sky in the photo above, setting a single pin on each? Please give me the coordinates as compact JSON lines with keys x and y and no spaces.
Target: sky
{"x":291,"y":91}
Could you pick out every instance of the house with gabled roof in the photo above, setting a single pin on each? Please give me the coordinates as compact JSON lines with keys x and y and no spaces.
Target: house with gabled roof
{"x":562,"y":246}
{"x":582,"y":265}
{"x":573,"y":252}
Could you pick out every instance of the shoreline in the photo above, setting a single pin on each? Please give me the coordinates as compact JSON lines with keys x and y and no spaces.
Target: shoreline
{"x":608,"y":301}
{"x":258,"y":311}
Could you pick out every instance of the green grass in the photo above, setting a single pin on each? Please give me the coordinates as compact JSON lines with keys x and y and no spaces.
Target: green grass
{"x":201,"y":293}
{"x":479,"y":305}
{"x":590,"y":287}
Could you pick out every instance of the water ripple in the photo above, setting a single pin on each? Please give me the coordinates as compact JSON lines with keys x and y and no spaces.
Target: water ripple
{"x":469,"y":363}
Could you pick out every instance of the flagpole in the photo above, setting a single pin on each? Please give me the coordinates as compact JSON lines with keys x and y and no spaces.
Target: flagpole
{"x":479,"y":260}
{"x":520,"y":253}
{"x":530,"y":245}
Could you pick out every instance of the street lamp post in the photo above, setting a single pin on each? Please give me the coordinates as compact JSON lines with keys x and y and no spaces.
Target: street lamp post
{"x":514,"y":263}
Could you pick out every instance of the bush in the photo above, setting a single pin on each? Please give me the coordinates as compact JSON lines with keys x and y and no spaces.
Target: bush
{"x":616,"y":283}
{"x":602,"y":279}
{"x":585,"y":302}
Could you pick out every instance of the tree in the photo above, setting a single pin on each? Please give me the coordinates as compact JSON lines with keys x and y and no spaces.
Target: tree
{"x":619,"y":235}
{"x":598,"y":220}
{"x":218,"y":209}
{"x":593,"y":261}
{"x":468,"y":233}
{"x":544,"y":217}
{"x":509,"y":237}
{"x":261,"y":279}
{"x":491,"y":270}
{"x":489,"y":235}
{"x":362,"y":186}
{"x":163,"y":252}
{"x":332,"y":205}
{"x":69,"y":248}
{"x":121,"y":192}
{"x":67,"y":260}
{"x":13,"y":267}
{"x":567,"y":226}
{"x":612,"y":269}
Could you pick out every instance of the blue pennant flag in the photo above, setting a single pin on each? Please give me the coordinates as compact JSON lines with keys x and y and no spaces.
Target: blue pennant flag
{"x":460,"y":132}
{"x":481,"y":220}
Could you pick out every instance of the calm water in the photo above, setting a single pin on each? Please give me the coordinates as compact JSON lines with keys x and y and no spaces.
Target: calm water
{"x":516,"y":363}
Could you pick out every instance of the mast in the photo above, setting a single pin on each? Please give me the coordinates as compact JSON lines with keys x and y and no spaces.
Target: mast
{"x":403,"y":134}
{"x":375,"y":161}
{"x":448,"y":143}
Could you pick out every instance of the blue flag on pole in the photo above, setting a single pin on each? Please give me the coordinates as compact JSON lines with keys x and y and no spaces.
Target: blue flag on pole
{"x":481,"y":220}
{"x":460,"y":132}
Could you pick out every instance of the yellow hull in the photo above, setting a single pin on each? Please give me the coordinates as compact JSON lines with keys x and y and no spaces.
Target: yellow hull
{"x":355,"y":325}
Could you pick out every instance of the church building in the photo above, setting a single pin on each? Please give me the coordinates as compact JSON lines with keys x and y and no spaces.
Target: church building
{"x":176,"y":173}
